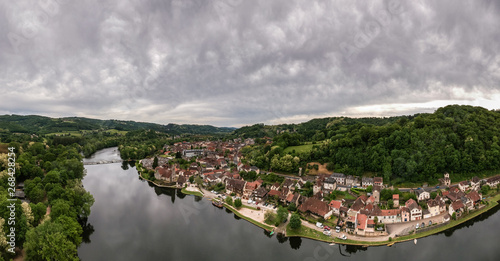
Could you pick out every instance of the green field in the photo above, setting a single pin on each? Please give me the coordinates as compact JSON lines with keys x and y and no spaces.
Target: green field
{"x":308,"y":233}
{"x":71,"y":133}
{"x":79,"y":133}
{"x":114,"y":131}
{"x":301,"y":148}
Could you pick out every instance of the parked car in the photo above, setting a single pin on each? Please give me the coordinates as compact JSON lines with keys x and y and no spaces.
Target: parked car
{"x":430,"y":222}
{"x":380,"y":228}
{"x":423,"y":225}
{"x":326,"y":227}
{"x":417,"y":226}
{"x":337,"y":229}
{"x":318,"y":224}
{"x":343,"y":237}
{"x":327,"y":232}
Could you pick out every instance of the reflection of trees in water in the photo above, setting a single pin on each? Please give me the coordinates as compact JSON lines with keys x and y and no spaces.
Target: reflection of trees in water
{"x":236,"y":217}
{"x":124,"y":165}
{"x":180,"y":194}
{"x":197,"y":198}
{"x":228,"y":211}
{"x":353,"y":249}
{"x":268,"y":233}
{"x":281,"y":238}
{"x":128,"y":164}
{"x":295,"y":242}
{"x":88,"y":229}
{"x":449,"y":232}
{"x":165,"y":191}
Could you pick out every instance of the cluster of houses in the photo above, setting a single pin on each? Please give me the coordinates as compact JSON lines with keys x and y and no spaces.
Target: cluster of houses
{"x":220,"y":162}
{"x":216,"y":162}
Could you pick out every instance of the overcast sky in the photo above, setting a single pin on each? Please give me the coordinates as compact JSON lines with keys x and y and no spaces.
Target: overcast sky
{"x":238,"y":62}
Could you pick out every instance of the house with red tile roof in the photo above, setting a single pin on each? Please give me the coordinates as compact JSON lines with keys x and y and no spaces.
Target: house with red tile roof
{"x":274,"y":192}
{"x":335,"y":206}
{"x":251,"y":186}
{"x":361,"y":224}
{"x":464,"y":185}
{"x":493,"y":181}
{"x":316,"y":207}
{"x":395,"y":199}
{"x":456,"y":207}
{"x":415,"y":209}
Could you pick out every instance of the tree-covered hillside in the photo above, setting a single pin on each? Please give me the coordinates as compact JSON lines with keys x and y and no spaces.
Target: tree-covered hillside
{"x":34,"y":124}
{"x":454,"y":139}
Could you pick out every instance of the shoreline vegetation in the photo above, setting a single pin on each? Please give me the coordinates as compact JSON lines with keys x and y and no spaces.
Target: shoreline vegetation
{"x":313,"y":234}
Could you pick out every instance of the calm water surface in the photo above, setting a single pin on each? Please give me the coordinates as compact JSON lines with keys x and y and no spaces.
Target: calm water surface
{"x":132,"y":220}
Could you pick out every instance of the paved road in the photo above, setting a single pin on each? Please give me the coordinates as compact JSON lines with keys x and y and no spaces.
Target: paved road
{"x":398,"y":228}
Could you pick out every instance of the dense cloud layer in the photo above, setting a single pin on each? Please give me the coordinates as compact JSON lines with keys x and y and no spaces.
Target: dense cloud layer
{"x":235,"y":62}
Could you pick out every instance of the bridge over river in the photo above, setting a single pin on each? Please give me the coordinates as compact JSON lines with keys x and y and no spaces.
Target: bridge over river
{"x":103,"y":162}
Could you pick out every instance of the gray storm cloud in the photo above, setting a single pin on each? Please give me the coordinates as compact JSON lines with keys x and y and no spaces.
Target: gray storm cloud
{"x":236,"y":62}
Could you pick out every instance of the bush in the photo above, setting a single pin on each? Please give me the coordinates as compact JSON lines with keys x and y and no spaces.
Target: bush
{"x":269,"y":217}
{"x":219,"y":187}
{"x":295,"y":221}
{"x":237,"y":203}
{"x":330,"y":166}
{"x":229,"y":201}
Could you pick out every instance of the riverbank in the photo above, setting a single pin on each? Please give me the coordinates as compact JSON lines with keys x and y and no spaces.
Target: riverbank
{"x":315,"y":234}
{"x":493,"y":202}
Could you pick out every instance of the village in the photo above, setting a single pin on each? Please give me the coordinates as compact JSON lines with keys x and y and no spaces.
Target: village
{"x":363,"y":209}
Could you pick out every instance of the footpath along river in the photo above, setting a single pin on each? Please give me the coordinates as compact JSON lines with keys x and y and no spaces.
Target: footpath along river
{"x":133,"y":220}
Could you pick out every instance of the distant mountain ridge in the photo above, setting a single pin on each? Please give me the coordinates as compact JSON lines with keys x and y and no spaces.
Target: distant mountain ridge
{"x":35,"y":124}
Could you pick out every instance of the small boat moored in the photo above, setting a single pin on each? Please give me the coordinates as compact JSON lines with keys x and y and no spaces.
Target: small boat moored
{"x":217,"y":203}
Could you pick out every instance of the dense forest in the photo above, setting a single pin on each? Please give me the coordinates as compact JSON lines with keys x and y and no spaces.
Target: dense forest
{"x":51,"y":226}
{"x":33,"y":124}
{"x":461,"y":140}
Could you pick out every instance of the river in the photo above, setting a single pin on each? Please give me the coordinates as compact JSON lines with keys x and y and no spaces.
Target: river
{"x":133,"y":220}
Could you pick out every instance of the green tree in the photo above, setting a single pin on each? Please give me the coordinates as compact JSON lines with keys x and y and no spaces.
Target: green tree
{"x":270,"y":217}
{"x":434,"y":194}
{"x":238,"y":203}
{"x":454,"y":216}
{"x":219,"y":187}
{"x":38,"y":211}
{"x":191,"y":179}
{"x":49,"y":241}
{"x":295,"y":222}
{"x":282,"y":214}
{"x":485,"y":189}
{"x":390,"y":203}
{"x":292,"y":207}
{"x":72,"y":229}
{"x":61,"y":207}
{"x":155,"y":162}
{"x":52,"y":177}
{"x":229,"y":200}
